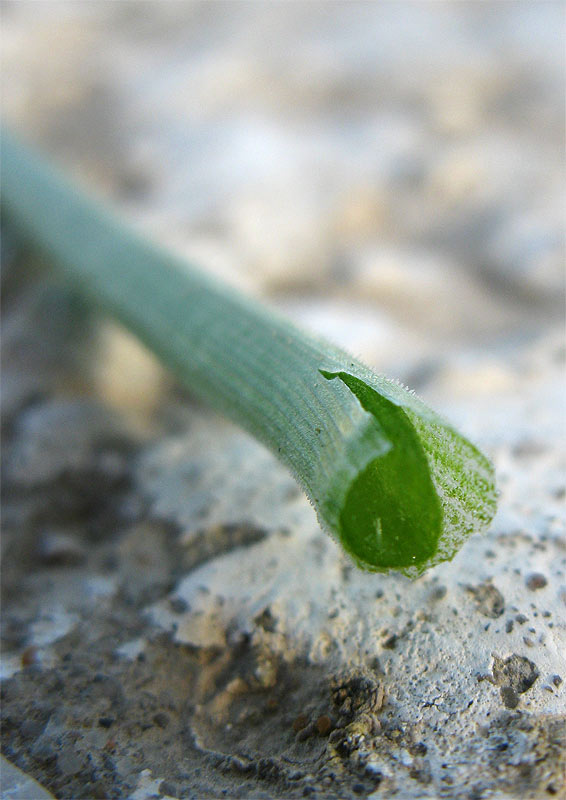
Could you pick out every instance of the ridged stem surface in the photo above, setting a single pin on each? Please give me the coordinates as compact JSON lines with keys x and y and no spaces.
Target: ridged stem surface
{"x":396,"y":485}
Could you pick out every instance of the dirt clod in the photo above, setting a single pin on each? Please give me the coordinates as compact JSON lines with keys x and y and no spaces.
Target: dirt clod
{"x":489,"y":600}
{"x":515,"y":672}
{"x":355,"y":692}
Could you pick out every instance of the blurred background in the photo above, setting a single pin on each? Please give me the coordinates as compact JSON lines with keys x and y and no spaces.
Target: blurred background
{"x":389,"y":174}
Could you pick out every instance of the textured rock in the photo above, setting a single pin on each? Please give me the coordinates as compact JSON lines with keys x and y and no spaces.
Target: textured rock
{"x":173,"y":620}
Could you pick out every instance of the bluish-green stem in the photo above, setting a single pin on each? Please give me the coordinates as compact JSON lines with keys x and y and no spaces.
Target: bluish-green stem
{"x":389,"y":479}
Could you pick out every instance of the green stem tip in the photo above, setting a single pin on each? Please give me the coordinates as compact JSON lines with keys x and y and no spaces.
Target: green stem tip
{"x":396,"y":485}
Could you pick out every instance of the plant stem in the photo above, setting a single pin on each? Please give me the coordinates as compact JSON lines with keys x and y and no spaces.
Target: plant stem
{"x":390,"y":480}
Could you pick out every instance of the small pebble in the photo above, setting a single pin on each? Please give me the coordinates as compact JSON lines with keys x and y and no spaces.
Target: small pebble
{"x":536,"y":581}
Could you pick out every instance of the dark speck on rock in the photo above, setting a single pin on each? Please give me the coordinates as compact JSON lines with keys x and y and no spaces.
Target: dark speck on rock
{"x":536,"y":580}
{"x":161,"y":719}
{"x":178,"y":605}
{"x":266,"y":620}
{"x":556,"y":680}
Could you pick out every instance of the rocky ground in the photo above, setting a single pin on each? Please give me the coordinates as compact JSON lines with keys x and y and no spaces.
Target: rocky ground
{"x":174,"y":623}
